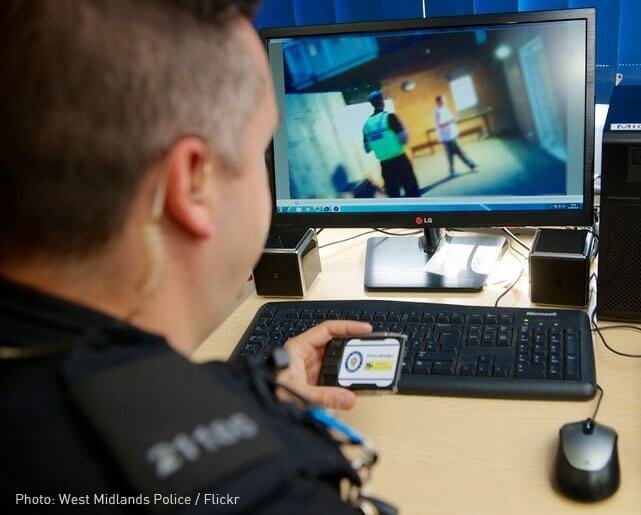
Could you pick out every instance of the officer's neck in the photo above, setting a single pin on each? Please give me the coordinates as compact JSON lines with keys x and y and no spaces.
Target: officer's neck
{"x":110,"y":283}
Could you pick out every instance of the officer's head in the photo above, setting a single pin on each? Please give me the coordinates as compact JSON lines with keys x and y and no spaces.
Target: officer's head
{"x":376,"y":99}
{"x":132,"y":136}
{"x":440,"y":101}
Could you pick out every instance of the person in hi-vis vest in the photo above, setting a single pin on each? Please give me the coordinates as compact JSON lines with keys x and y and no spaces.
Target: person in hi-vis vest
{"x":384,"y":134}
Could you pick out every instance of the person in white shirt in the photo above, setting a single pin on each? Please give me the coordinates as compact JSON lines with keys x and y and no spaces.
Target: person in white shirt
{"x":447,"y":133}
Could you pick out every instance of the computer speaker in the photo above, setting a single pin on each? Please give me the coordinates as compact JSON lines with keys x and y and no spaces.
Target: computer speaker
{"x":289,"y":264}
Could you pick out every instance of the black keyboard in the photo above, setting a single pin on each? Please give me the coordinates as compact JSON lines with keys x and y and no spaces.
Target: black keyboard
{"x":470,"y":351}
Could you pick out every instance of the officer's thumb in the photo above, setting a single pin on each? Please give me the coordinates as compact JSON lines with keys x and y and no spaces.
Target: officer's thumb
{"x":332,"y":397}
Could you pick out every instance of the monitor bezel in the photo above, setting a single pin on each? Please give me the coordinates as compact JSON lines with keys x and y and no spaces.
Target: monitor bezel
{"x":472,"y":219}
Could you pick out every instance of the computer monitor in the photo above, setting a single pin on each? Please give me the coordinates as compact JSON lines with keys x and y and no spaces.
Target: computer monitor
{"x":475,"y":121}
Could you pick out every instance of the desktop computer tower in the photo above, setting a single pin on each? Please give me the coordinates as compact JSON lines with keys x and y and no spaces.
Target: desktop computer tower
{"x":619,"y":274}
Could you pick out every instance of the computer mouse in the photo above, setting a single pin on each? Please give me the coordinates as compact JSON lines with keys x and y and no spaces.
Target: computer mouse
{"x":587,"y":462}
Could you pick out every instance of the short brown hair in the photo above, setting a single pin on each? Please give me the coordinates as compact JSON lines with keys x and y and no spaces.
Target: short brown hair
{"x":92,"y":93}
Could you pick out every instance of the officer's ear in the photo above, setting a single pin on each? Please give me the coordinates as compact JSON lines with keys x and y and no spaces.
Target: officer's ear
{"x":189,"y":186}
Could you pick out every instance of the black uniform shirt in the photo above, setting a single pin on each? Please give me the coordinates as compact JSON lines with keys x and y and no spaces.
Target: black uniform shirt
{"x":49,"y":448}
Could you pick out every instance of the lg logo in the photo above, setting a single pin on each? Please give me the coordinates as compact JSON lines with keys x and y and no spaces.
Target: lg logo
{"x":420,"y":220}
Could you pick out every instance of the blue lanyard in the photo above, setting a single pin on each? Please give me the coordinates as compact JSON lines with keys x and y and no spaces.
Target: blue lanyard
{"x":325,"y":419}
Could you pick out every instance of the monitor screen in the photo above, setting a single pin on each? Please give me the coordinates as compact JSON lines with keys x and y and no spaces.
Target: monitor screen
{"x":477,"y":120}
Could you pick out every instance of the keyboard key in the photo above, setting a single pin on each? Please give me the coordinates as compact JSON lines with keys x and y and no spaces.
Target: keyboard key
{"x":486,"y":358}
{"x":507,"y":319}
{"x":484,"y":370}
{"x":443,"y":368}
{"x":473,"y":341}
{"x":501,"y":371}
{"x":475,"y":329}
{"x":441,"y":356}
{"x":449,"y":339}
{"x":571,"y":345}
{"x":531,"y":371}
{"x":538,"y":357}
{"x":257,"y":340}
{"x":491,"y":318}
{"x":457,"y":318}
{"x":414,"y":317}
{"x":422,"y":367}
{"x":571,"y":368}
{"x":468,"y":370}
{"x":431,"y":344}
{"x":490,"y":329}
{"x":260,"y":329}
{"x":503,"y":340}
{"x":554,"y":372}
{"x":251,"y":348}
{"x":398,"y":328}
{"x":408,"y":362}
{"x":488,"y":339}
{"x":443,"y":318}
{"x":267,"y":313}
{"x":540,"y":338}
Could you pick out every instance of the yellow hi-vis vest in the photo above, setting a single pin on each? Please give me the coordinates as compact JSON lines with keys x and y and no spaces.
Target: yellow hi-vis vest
{"x":380,"y":138}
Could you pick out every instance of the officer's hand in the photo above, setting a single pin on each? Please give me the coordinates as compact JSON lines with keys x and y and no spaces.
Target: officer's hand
{"x":306,"y":353}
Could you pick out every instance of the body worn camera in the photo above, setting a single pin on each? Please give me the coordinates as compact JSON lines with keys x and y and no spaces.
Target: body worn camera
{"x":370,"y":362}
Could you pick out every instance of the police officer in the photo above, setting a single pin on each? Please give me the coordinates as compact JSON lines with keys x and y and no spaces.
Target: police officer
{"x":133,"y":204}
{"x":384,"y":134}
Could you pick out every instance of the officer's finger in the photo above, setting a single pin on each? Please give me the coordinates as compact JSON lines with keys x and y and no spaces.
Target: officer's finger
{"x":322,"y":333}
{"x":332,"y":397}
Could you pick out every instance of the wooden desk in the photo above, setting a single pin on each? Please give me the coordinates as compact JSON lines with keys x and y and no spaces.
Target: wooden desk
{"x":446,"y":455}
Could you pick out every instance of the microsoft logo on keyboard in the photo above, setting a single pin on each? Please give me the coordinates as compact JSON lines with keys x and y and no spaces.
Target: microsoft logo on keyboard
{"x":540,"y":314}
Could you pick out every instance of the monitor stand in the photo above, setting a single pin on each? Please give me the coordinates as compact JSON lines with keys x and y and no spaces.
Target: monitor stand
{"x":435,"y":261}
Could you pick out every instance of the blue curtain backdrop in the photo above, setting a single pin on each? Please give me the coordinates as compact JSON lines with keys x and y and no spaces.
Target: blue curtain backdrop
{"x":618,"y":32}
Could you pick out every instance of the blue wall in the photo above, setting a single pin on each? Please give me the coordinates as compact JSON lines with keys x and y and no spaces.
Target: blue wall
{"x":618,"y":34}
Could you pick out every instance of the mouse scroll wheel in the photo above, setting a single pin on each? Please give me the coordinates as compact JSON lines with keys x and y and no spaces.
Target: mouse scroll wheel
{"x":588,"y":426}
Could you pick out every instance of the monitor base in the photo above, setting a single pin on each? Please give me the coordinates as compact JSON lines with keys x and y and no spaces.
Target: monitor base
{"x":463,"y":263}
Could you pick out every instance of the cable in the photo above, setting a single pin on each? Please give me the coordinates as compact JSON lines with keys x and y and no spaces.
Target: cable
{"x":399,"y":234}
{"x":622,"y":326}
{"x":598,"y":404}
{"x":347,"y":239}
{"x":496,"y":303}
{"x":594,"y":249}
{"x":515,"y":250}
{"x":516,"y":238}
{"x":589,"y":423}
{"x":369,"y":232}
{"x":600,"y":330}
